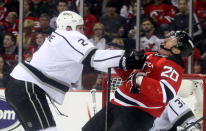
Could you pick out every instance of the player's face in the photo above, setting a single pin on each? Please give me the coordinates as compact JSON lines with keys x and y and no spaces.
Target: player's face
{"x":168,"y":44}
{"x":80,"y":28}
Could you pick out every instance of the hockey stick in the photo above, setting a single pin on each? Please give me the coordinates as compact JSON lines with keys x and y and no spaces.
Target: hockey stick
{"x":108,"y":98}
{"x":192,"y":124}
{"x":93,"y":92}
{"x":195,"y":24}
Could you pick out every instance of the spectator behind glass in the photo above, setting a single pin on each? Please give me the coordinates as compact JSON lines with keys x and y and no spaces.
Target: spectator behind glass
{"x":126,"y":9}
{"x":89,"y":20}
{"x":181,"y":20}
{"x":27,"y":46}
{"x":10,"y":50}
{"x":117,"y":43}
{"x":3,"y":11}
{"x":62,"y":5}
{"x":99,"y":39}
{"x":44,"y":24}
{"x":11,"y":23}
{"x":50,"y":6}
{"x":200,"y":9}
{"x":4,"y":73}
{"x":131,"y":20}
{"x":149,"y":41}
{"x":39,"y":40}
{"x":37,"y":8}
{"x":163,"y":14}
{"x":112,"y":21}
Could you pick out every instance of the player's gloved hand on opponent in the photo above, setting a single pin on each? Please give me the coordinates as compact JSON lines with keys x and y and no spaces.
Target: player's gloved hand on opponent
{"x":136,"y":80}
{"x":132,"y":60}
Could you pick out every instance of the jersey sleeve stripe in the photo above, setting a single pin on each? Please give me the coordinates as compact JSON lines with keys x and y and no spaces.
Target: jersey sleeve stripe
{"x":69,"y":43}
{"x":108,"y":58}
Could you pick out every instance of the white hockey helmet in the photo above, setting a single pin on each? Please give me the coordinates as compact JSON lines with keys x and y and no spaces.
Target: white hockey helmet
{"x":68,"y":18}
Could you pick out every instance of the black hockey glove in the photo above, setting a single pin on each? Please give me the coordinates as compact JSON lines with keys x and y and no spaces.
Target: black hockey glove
{"x":136,"y":80}
{"x":132,"y":60}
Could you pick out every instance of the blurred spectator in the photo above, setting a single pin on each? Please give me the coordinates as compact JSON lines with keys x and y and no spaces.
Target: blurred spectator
{"x":131,"y":20}
{"x":163,"y":14}
{"x":37,"y":8}
{"x":4,"y":73}
{"x":98,"y":38}
{"x":62,"y":5}
{"x":44,"y":24}
{"x":127,"y":8}
{"x":117,"y":43}
{"x":89,"y":20}
{"x":112,"y":21}
{"x":39,"y":40}
{"x":181,"y":20}
{"x":27,"y":46}
{"x":200,"y":9}
{"x":149,"y":41}
{"x":3,"y":11}
{"x":27,"y":11}
{"x":27,"y":14}
{"x":203,"y":63}
{"x":197,"y":69}
{"x":50,"y":6}
{"x":10,"y":50}
{"x":11,"y":23}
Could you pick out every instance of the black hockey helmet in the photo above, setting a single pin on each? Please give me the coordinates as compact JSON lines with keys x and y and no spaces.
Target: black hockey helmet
{"x":184,"y":43}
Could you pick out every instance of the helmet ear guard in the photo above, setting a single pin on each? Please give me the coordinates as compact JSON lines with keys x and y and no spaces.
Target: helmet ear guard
{"x":184,"y":43}
{"x":68,"y":19}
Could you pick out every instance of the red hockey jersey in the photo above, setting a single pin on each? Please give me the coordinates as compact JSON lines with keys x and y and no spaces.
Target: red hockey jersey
{"x":162,"y":13}
{"x":162,"y":81}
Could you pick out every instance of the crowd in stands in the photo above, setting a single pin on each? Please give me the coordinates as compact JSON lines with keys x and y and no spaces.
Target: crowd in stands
{"x":109,"y":24}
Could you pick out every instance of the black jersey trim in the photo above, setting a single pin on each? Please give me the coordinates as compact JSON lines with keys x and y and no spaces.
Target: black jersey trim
{"x":108,"y":58}
{"x":69,"y":43}
{"x":169,"y":93}
{"x":173,"y":109}
{"x":177,"y":59}
{"x":87,"y":59}
{"x":181,"y":120}
{"x":46,"y":79}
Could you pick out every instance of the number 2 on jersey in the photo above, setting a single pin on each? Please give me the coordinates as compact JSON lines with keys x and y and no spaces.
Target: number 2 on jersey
{"x":82,"y":42}
{"x":170,"y":73}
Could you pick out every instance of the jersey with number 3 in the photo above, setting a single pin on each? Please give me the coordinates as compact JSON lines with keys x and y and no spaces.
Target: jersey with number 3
{"x":162,"y":81}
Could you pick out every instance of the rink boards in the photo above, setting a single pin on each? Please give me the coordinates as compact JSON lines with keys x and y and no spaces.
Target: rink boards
{"x":77,"y":105}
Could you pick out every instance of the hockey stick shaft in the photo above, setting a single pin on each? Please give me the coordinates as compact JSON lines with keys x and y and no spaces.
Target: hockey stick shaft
{"x":192,"y":124}
{"x":195,"y":24}
{"x":108,"y":98}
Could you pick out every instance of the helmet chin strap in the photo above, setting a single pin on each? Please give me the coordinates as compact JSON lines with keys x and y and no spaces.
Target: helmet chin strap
{"x":161,"y":46}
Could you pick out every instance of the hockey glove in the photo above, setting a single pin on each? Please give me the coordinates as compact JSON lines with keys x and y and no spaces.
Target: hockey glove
{"x":136,"y":80}
{"x":132,"y":60}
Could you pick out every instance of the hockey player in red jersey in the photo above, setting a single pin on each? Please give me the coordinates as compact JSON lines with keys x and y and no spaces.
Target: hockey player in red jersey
{"x":144,"y":95}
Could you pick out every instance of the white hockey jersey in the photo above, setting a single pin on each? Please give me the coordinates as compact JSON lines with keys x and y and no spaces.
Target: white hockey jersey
{"x":59,"y":62}
{"x":176,"y":113}
{"x":150,"y":44}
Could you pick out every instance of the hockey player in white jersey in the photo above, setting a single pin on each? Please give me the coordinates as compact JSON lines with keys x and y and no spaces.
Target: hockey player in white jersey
{"x":176,"y":116}
{"x":57,"y":64}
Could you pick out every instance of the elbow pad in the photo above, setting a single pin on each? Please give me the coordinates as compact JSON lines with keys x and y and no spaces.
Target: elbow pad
{"x":87,"y":59}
